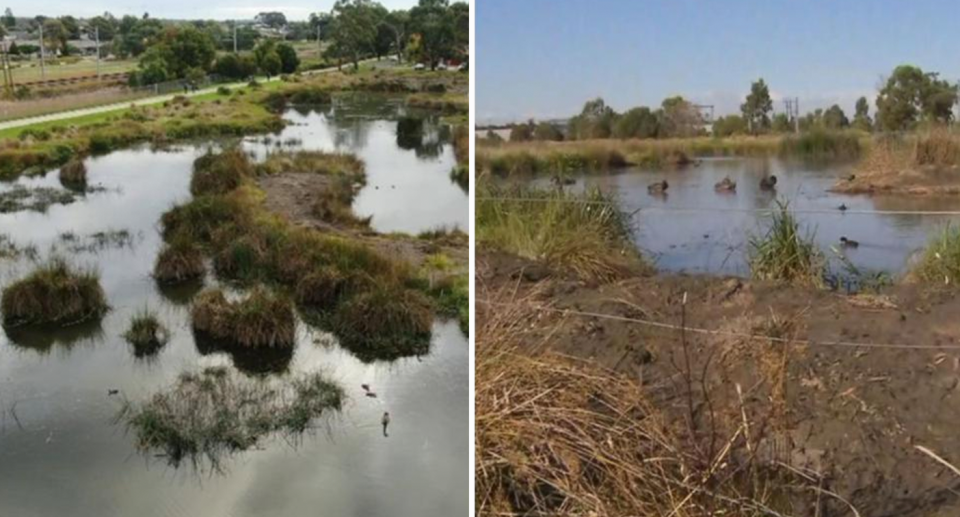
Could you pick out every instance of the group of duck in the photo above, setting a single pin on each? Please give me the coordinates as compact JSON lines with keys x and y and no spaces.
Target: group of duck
{"x":767,"y":183}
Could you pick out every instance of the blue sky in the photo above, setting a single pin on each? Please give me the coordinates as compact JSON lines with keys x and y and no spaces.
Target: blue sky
{"x":182,"y":9}
{"x":544,"y":58}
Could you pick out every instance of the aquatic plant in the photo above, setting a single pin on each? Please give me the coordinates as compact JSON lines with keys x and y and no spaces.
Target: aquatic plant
{"x":38,"y":199}
{"x":219,"y":173}
{"x":55,"y":293}
{"x":782,"y":254}
{"x":384,"y":321}
{"x":146,"y":333}
{"x":179,"y":261}
{"x":261,"y":319}
{"x":822,"y":144}
{"x":940,"y":262}
{"x":73,"y":174}
{"x":208,"y":414}
{"x":409,"y":132}
{"x":585,"y":235}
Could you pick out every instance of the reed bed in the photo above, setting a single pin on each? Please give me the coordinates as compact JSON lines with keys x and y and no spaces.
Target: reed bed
{"x":783,"y":254}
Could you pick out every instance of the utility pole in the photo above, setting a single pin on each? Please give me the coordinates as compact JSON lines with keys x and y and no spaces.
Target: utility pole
{"x":234,"y":36}
{"x":319,"y":45}
{"x":792,"y":109}
{"x":43,"y":55}
{"x":97,"y":33}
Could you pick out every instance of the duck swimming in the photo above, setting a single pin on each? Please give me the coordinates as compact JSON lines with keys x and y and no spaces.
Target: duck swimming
{"x":768,"y":182}
{"x":659,"y":187}
{"x":385,"y":421}
{"x":847,"y":243}
{"x":726,"y":185}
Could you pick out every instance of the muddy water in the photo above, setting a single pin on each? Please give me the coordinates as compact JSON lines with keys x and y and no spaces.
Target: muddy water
{"x":62,"y":454}
{"x":696,"y":229}
{"x":408,"y":183}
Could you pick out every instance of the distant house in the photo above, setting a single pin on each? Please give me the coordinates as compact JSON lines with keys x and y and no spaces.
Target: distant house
{"x":86,"y":46}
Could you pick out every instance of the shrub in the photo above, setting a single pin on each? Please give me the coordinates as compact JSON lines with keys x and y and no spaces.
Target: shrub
{"x":223,"y":90}
{"x":54,"y":293}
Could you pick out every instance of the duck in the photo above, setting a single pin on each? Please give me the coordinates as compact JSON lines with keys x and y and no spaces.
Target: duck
{"x":659,"y":187}
{"x":366,"y":387}
{"x":726,"y":185}
{"x":768,"y":182}
{"x":848,"y":243}
{"x":111,"y":391}
{"x":842,"y":207}
{"x":385,"y":420}
{"x":371,"y":394}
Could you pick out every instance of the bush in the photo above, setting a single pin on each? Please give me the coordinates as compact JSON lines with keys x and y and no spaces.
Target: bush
{"x":223,"y":90}
{"x":179,"y":261}
{"x":54,"y":293}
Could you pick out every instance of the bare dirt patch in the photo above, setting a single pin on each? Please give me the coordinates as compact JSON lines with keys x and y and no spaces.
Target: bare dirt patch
{"x":855,"y":414}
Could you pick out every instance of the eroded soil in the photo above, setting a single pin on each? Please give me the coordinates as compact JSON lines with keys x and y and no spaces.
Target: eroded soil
{"x":294,"y":194}
{"x":852,"y":413}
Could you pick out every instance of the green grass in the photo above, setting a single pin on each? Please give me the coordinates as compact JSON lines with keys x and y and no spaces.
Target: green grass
{"x":207,"y":415}
{"x":783,"y":254}
{"x":261,"y":319}
{"x":821,"y":144}
{"x":941,"y":259}
{"x":384,"y":322}
{"x":54,"y":293}
{"x":583,"y":235}
{"x":146,"y":333}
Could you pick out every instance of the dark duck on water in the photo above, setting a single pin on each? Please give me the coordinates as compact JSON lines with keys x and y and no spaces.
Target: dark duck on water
{"x":768,"y":182}
{"x":726,"y":185}
{"x":848,"y":243}
{"x":659,"y":187}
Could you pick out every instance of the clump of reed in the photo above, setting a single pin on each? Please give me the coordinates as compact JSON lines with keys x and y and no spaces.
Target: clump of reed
{"x":938,"y":147}
{"x":219,"y":173}
{"x":783,"y":254}
{"x":822,"y":144}
{"x":73,"y":174}
{"x":54,"y":293}
{"x":584,"y":235}
{"x":146,"y":333}
{"x":334,"y":203}
{"x":179,"y":261}
{"x":261,"y":319}
{"x":560,"y":436}
{"x":208,"y":414}
{"x":317,"y":162}
{"x":940,"y":262}
{"x":384,"y":321}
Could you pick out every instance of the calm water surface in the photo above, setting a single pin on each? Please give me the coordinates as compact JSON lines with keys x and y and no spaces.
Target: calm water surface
{"x":696,"y":229}
{"x":62,"y":454}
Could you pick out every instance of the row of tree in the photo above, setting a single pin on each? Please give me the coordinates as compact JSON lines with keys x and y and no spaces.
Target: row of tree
{"x":908,"y":97}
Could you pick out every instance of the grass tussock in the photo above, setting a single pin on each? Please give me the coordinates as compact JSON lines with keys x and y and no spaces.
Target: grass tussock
{"x":783,"y":254}
{"x":820,"y":144}
{"x":179,"y":261}
{"x":383,"y":322}
{"x":557,"y":436}
{"x":55,"y":293}
{"x":208,"y":414}
{"x":940,"y":262}
{"x":220,"y":173}
{"x":584,"y":235}
{"x":334,"y":204}
{"x":316,"y":162}
{"x":262,"y":319}
{"x":73,"y":173}
{"x":146,"y":334}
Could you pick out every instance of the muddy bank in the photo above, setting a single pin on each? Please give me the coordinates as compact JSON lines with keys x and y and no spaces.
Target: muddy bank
{"x":928,"y":181}
{"x":852,"y":413}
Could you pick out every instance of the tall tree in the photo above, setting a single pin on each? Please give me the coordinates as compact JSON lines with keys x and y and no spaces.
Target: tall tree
{"x":638,"y":122}
{"x":272,"y":19}
{"x":910,"y":95}
{"x":9,"y":20}
{"x":354,"y":28}
{"x":680,"y":118}
{"x":861,"y":117}
{"x":289,"y":61}
{"x":433,"y":22}
{"x":835,"y":118}
{"x":396,"y":22}
{"x":756,"y":110}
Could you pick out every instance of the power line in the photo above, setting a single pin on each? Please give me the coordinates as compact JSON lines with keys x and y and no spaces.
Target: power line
{"x":698,"y":330}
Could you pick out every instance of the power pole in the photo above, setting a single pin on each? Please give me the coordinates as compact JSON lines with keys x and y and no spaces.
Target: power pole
{"x":319,"y":45}
{"x":792,"y":109}
{"x":97,"y":33}
{"x":234,"y":36}
{"x":43,"y":55}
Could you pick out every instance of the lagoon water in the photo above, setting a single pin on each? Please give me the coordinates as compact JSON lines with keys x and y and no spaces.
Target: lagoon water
{"x":695,"y":229}
{"x":61,"y":452}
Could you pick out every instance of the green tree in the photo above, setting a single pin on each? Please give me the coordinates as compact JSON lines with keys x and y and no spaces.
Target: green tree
{"x":55,"y":35}
{"x":547,"y":132}
{"x":861,"y":117}
{"x":354,"y":29}
{"x":189,"y":48}
{"x":396,"y":23}
{"x":289,"y":61}
{"x":910,"y":95}
{"x":233,"y":66}
{"x":756,"y":110}
{"x":153,"y":66}
{"x":106,"y":24}
{"x":137,"y":35}
{"x":729,"y":125}
{"x":522,"y":132}
{"x":780,"y":123}
{"x":433,"y":21}
{"x":9,"y":20}
{"x":835,"y":118}
{"x":272,"y":19}
{"x":679,"y":118}
{"x":595,"y":120}
{"x":638,"y":122}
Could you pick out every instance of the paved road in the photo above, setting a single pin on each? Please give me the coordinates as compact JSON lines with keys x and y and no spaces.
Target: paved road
{"x":63,"y":115}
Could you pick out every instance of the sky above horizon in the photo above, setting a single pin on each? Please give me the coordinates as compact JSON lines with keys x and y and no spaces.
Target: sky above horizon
{"x":295,"y":10}
{"x":543,"y":58}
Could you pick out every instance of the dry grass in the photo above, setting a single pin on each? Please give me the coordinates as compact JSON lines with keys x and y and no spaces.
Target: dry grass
{"x":179,"y":261}
{"x":262,"y":319}
{"x":558,"y":436}
{"x":73,"y":173}
{"x":55,"y":293}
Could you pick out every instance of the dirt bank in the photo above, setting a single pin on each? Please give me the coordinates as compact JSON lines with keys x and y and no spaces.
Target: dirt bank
{"x":293,"y":195}
{"x":925,"y":181}
{"x":853,"y":413}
